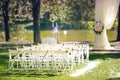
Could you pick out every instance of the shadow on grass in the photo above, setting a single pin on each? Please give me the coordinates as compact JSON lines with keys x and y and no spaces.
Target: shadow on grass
{"x":4,"y":60}
{"x":18,"y":74}
{"x":3,"y":50}
{"x":104,"y":56}
{"x":114,"y":79}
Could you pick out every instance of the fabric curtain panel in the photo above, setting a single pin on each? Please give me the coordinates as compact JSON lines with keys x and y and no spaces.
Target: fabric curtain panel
{"x":106,"y":11}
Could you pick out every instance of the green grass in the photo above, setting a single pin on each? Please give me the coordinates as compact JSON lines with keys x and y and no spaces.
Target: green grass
{"x":110,"y":65}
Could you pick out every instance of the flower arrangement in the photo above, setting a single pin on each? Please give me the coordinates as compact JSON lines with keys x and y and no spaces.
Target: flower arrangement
{"x":98,"y":27}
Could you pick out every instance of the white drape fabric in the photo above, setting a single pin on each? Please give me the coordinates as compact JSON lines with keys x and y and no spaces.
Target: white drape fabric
{"x":101,"y":41}
{"x":105,"y":12}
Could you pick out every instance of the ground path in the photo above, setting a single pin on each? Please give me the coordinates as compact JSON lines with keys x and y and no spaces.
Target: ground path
{"x":15,"y":43}
{"x":82,"y":71}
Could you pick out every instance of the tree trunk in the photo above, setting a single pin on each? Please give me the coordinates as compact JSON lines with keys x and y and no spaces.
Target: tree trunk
{"x":6,"y":19}
{"x":118,"y":31}
{"x":36,"y":20}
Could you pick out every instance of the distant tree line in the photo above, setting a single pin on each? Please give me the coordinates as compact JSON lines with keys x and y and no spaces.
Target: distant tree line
{"x":71,"y":13}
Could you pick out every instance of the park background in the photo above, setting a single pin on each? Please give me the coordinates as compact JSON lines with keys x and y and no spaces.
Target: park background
{"x":74,"y":17}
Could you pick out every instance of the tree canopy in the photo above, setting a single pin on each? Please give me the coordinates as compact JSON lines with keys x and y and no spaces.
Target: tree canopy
{"x":66,"y":12}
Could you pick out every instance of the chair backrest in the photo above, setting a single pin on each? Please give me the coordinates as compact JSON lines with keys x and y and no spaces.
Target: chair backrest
{"x":12,"y":53}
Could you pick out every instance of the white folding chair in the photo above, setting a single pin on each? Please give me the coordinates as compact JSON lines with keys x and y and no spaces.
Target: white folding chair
{"x":86,"y":51}
{"x":14,"y":60}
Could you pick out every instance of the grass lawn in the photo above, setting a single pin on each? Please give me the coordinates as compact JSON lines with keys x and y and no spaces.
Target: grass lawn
{"x":108,"y":69}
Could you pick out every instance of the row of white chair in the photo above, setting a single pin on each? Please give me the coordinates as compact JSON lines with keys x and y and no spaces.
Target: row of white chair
{"x":51,"y":58}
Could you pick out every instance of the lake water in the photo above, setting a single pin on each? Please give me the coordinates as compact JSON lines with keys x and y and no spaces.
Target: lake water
{"x":78,"y":35}
{"x":62,"y":36}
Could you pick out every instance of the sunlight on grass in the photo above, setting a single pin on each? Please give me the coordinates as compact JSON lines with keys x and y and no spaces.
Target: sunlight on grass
{"x":109,"y":69}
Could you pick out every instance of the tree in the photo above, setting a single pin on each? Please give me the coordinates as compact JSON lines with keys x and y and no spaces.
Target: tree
{"x":6,"y":19}
{"x":20,"y":9}
{"x":67,"y":12}
{"x":36,"y":23}
{"x":118,"y":31}
{"x":81,"y":12}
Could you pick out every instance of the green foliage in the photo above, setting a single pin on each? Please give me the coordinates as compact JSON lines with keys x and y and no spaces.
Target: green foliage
{"x":81,"y":10}
{"x":86,"y":25}
{"x":115,"y":25}
{"x":70,"y":14}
